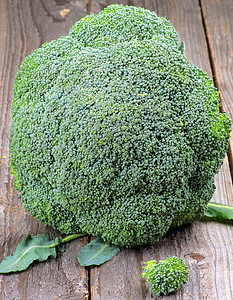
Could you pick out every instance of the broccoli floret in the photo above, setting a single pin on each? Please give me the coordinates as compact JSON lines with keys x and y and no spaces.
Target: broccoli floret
{"x":167,"y":276}
{"x":114,"y":132}
{"x":118,"y":24}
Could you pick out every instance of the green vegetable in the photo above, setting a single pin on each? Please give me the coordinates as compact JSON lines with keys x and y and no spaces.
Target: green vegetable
{"x":39,"y":247}
{"x":167,"y":276}
{"x":33,"y":248}
{"x":114,"y":133}
{"x":96,"y":253}
{"x":219,"y":211}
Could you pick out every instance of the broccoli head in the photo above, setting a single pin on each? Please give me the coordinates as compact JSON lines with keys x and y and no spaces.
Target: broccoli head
{"x":114,"y":132}
{"x":167,"y":276}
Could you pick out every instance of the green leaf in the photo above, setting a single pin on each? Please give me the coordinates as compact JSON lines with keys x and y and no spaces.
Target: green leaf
{"x":60,"y":246}
{"x":96,"y":253}
{"x":220,"y":211}
{"x":182,"y":48}
{"x":32,"y":248}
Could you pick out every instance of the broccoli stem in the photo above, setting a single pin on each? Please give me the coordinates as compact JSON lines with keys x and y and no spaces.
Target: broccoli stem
{"x":59,"y":241}
{"x":72,"y":237}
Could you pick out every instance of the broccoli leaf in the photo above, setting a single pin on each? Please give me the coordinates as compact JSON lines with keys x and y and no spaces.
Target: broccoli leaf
{"x":220,"y":211}
{"x":38,"y":247}
{"x":182,"y":48}
{"x":32,"y":248}
{"x":96,"y":253}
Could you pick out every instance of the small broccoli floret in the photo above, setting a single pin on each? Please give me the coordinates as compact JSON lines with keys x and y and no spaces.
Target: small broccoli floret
{"x":167,"y":276}
{"x":114,"y":132}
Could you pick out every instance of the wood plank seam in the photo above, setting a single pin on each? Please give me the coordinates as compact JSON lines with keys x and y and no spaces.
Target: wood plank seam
{"x":63,"y":265}
{"x":215,"y":79}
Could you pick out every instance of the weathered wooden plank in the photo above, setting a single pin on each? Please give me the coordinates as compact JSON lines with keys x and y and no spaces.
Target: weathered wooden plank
{"x":24,"y":26}
{"x":219,"y":28}
{"x":200,"y":245}
{"x":206,"y":248}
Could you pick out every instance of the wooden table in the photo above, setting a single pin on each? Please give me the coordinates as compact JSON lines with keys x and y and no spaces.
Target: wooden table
{"x":206,"y":26}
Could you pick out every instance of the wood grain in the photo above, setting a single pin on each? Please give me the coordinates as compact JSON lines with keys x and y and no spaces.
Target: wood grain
{"x":207,"y":248}
{"x":219,"y":27}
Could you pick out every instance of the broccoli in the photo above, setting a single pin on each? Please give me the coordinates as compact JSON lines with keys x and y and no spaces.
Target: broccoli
{"x":167,"y":276}
{"x":114,"y":133}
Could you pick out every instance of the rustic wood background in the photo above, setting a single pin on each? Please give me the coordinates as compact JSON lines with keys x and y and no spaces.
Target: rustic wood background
{"x":206,"y":26}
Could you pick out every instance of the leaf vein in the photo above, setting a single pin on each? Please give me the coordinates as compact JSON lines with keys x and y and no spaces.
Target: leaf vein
{"x":98,"y":252}
{"x":26,"y":251}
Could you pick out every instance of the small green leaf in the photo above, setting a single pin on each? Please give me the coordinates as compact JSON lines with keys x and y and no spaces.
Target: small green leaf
{"x":96,"y":253}
{"x":32,"y":248}
{"x":59,"y":243}
{"x":182,"y":48}
{"x":220,"y":211}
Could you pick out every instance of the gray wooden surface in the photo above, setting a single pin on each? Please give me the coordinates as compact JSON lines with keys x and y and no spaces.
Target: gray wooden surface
{"x":206,"y":26}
